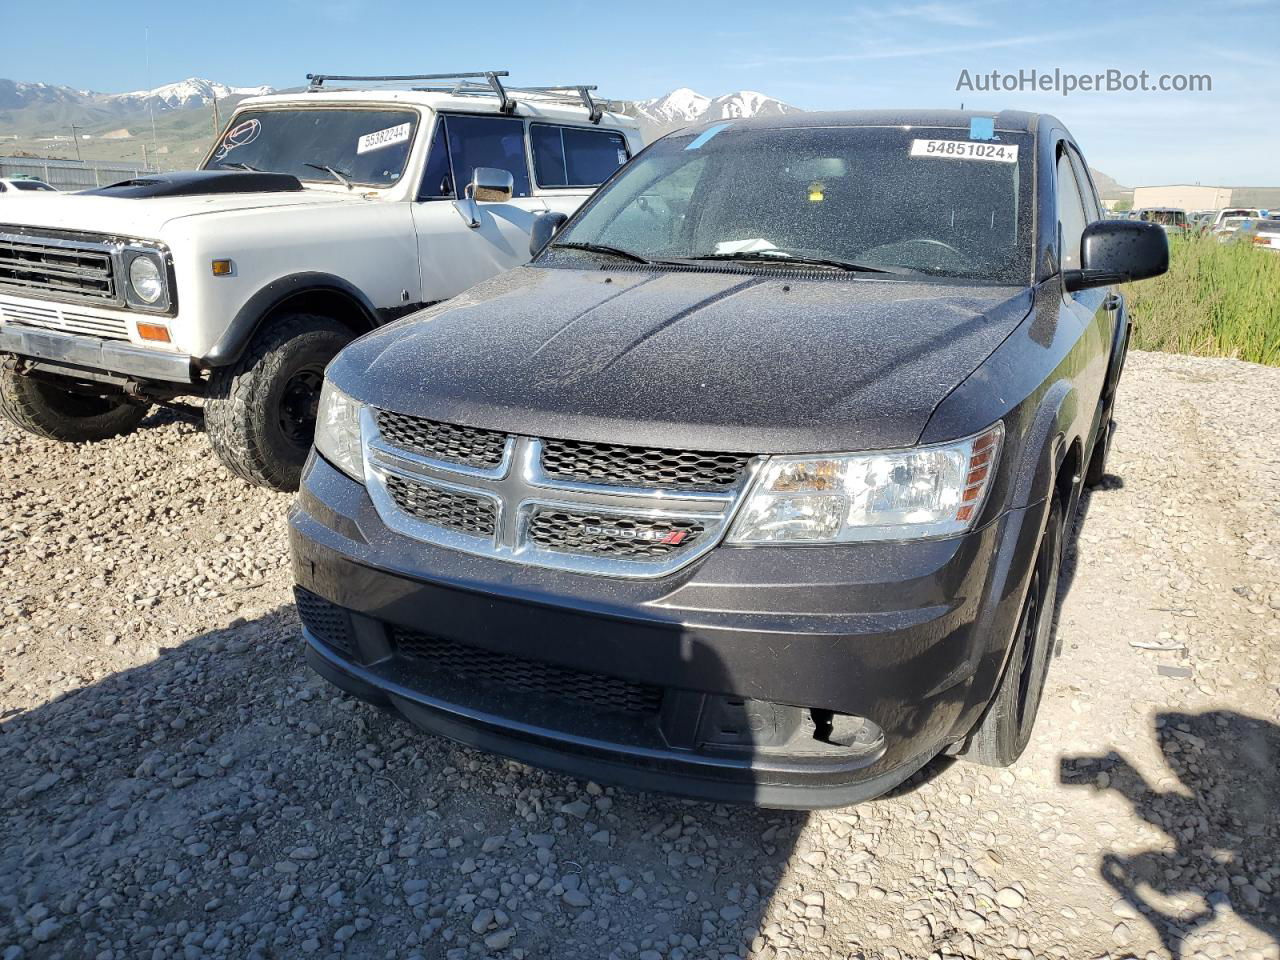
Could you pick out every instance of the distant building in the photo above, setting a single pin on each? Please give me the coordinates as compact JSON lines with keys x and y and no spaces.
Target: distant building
{"x":1195,"y":197}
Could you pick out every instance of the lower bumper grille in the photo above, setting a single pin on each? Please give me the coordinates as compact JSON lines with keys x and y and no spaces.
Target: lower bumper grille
{"x":518,"y":674}
{"x":56,"y":317}
{"x":327,"y":622}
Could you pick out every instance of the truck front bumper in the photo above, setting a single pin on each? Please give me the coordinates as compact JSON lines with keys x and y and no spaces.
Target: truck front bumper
{"x":77,"y":351}
{"x":713,"y":682}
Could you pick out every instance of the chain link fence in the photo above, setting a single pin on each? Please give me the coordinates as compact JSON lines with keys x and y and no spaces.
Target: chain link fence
{"x":71,"y":174}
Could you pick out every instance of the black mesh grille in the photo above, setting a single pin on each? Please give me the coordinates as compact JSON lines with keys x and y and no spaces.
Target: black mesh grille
{"x":443,"y":508}
{"x":641,"y":466}
{"x":443,"y":441}
{"x":509,"y":673}
{"x":327,"y":622}
{"x":603,"y":536}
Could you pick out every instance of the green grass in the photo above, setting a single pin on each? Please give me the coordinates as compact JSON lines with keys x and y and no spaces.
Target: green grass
{"x":1217,"y":300}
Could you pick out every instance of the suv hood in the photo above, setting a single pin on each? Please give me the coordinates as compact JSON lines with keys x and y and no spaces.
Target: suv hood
{"x":695,"y":360}
{"x":142,"y":218}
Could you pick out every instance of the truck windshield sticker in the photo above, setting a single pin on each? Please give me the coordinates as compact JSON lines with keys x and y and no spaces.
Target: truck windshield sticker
{"x":982,"y":128}
{"x":238,"y":136}
{"x":383,"y":138}
{"x":965,"y":150}
{"x":706,"y":135}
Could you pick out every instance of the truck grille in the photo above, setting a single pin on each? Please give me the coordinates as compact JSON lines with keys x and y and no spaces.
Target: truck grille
{"x":594,"y":508}
{"x":58,"y":270}
{"x":57,"y":317}
{"x":443,"y":441}
{"x":443,"y":508}
{"x":505,"y":673}
{"x":606,"y":536}
{"x":641,"y":466}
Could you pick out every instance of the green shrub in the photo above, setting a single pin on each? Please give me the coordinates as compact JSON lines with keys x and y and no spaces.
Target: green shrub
{"x":1217,"y":300}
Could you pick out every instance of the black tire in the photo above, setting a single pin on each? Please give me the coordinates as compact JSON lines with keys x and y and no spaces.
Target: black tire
{"x":1006,"y":728}
{"x":260,"y":412}
{"x":48,"y":411}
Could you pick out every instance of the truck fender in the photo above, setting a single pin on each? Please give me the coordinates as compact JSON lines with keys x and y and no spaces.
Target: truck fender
{"x":275,"y":294}
{"x":1045,"y":445}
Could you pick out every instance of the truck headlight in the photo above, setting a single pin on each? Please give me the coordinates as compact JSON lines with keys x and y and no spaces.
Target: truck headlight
{"x":146,"y":280}
{"x":929,"y":491}
{"x":338,"y":431}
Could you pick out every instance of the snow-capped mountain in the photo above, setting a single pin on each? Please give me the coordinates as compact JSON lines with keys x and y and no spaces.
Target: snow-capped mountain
{"x":186,"y":94}
{"x":684,"y":106}
{"x":192,"y":92}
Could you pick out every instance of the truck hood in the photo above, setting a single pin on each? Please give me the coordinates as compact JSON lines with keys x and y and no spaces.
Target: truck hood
{"x":696,"y":360}
{"x":142,"y":218}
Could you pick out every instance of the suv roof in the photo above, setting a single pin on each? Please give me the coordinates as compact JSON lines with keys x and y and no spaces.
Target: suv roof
{"x":1012,"y":121}
{"x":482,"y":92}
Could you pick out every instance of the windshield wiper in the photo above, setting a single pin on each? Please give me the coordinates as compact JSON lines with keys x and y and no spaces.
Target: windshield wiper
{"x":602,"y":248}
{"x":761,"y":256}
{"x":239,"y":164}
{"x":328,"y":169}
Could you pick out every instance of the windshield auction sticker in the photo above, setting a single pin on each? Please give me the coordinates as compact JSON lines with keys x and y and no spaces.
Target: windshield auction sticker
{"x":382,"y":138}
{"x":965,"y":150}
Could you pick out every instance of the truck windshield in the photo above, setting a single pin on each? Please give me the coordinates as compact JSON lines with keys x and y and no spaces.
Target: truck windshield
{"x":363,"y":146}
{"x":906,"y":200}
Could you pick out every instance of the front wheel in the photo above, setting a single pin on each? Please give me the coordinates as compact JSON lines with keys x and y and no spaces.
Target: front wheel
{"x":261,"y":412}
{"x":72,"y":416}
{"x":1006,"y":729}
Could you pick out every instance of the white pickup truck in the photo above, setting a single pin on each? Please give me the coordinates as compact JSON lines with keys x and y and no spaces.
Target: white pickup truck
{"x":315,"y":217}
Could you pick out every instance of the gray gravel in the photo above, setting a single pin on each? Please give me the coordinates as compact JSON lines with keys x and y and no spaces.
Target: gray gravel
{"x":177,"y":784}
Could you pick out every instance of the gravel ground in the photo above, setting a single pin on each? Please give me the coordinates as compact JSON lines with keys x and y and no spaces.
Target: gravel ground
{"x":177,"y":784}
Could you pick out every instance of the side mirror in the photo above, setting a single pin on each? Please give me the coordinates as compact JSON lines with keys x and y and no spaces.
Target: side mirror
{"x":1119,"y":251}
{"x":491,"y":185}
{"x":545,"y":227}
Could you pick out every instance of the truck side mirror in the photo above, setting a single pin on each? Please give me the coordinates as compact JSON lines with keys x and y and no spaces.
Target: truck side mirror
{"x":545,"y":227}
{"x":1119,"y":251}
{"x":491,"y":185}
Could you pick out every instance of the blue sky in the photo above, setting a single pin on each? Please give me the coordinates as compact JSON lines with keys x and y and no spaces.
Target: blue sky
{"x":817,"y":56}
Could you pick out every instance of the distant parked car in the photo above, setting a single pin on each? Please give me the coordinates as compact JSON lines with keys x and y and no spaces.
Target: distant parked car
{"x":1264,"y":233}
{"x":1238,"y":213}
{"x":13,"y":184}
{"x":1225,"y":230}
{"x":1173,"y":220}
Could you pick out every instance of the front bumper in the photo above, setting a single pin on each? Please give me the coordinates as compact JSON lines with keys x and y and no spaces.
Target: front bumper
{"x":745,"y":648}
{"x":94,"y":353}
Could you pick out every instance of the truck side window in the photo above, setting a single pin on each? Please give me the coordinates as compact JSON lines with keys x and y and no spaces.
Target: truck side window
{"x":1071,"y":215}
{"x":437,"y":181}
{"x":487,"y":142}
{"x":1092,"y":208}
{"x":575,"y":157}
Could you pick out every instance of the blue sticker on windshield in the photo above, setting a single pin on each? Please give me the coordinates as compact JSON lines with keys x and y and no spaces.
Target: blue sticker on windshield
{"x":706,"y":135}
{"x":982,"y":128}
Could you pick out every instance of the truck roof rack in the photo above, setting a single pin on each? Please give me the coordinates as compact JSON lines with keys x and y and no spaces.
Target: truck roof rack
{"x":483,"y":83}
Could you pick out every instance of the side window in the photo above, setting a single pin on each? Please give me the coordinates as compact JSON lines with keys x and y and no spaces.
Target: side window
{"x":437,"y":181}
{"x":1092,"y":208}
{"x":487,"y":142}
{"x":575,"y":157}
{"x":1071,"y":215}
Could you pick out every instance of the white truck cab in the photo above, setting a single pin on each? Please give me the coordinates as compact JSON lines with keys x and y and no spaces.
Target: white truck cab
{"x":315,"y":217}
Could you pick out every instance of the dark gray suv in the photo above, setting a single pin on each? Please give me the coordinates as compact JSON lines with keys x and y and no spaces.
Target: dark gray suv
{"x":754,"y":483}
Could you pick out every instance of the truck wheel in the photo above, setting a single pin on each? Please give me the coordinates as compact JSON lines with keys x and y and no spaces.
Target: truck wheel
{"x":49,"y":411}
{"x":261,"y":411}
{"x":1005,"y":730}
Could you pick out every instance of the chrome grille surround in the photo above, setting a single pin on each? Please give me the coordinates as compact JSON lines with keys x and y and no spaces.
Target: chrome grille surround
{"x":50,"y":267}
{"x":525,"y":498}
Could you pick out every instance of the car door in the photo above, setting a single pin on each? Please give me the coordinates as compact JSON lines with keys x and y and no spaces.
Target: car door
{"x":1097,"y":308}
{"x":569,"y":162}
{"x":453,"y":255}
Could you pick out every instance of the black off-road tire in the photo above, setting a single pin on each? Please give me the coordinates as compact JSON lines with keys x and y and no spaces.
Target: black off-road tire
{"x":1006,"y":729}
{"x":48,"y":411}
{"x":249,"y":413}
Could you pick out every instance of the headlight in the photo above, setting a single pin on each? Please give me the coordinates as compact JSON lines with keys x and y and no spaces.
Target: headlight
{"x":928,"y":491}
{"x":338,"y":431}
{"x":145,"y":279}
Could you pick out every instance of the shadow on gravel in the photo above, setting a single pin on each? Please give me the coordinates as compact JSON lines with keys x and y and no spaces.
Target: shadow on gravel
{"x":1221,"y":814}
{"x":222,"y":800}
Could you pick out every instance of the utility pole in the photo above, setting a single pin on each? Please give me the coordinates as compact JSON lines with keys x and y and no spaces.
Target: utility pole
{"x":145,"y":162}
{"x":75,"y":138}
{"x":217,"y":126}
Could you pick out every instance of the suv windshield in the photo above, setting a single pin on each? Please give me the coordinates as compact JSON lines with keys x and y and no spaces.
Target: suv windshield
{"x":364,"y":146}
{"x":916,"y":201}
